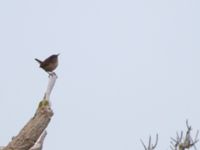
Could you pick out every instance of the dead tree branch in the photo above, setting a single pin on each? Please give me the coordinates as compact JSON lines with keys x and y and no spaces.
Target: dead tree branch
{"x":32,"y":135}
{"x":39,"y":144}
{"x":182,"y":143}
{"x":150,"y":145}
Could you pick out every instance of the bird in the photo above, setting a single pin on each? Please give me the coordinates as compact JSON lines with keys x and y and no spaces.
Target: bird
{"x":49,"y":64}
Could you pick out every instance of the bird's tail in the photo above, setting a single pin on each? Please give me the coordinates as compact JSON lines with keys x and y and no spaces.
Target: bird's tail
{"x":39,"y":61}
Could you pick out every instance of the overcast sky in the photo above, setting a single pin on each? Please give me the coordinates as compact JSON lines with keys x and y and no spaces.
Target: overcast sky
{"x":128,"y":69}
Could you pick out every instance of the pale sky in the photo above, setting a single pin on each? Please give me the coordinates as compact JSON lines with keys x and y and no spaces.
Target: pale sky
{"x":128,"y":69}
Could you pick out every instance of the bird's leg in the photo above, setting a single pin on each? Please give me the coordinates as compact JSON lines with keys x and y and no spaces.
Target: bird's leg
{"x":51,"y":74}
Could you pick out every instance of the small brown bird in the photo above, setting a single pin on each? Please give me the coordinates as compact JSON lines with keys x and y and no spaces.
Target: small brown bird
{"x":49,"y":64}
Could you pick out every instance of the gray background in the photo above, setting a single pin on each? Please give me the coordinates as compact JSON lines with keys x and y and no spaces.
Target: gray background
{"x":128,"y":69}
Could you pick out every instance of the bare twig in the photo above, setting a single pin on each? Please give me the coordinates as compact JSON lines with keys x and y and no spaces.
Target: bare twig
{"x":150,"y":145}
{"x":181,"y":143}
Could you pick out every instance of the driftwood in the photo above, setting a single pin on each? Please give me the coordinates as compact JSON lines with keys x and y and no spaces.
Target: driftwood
{"x":32,"y":135}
